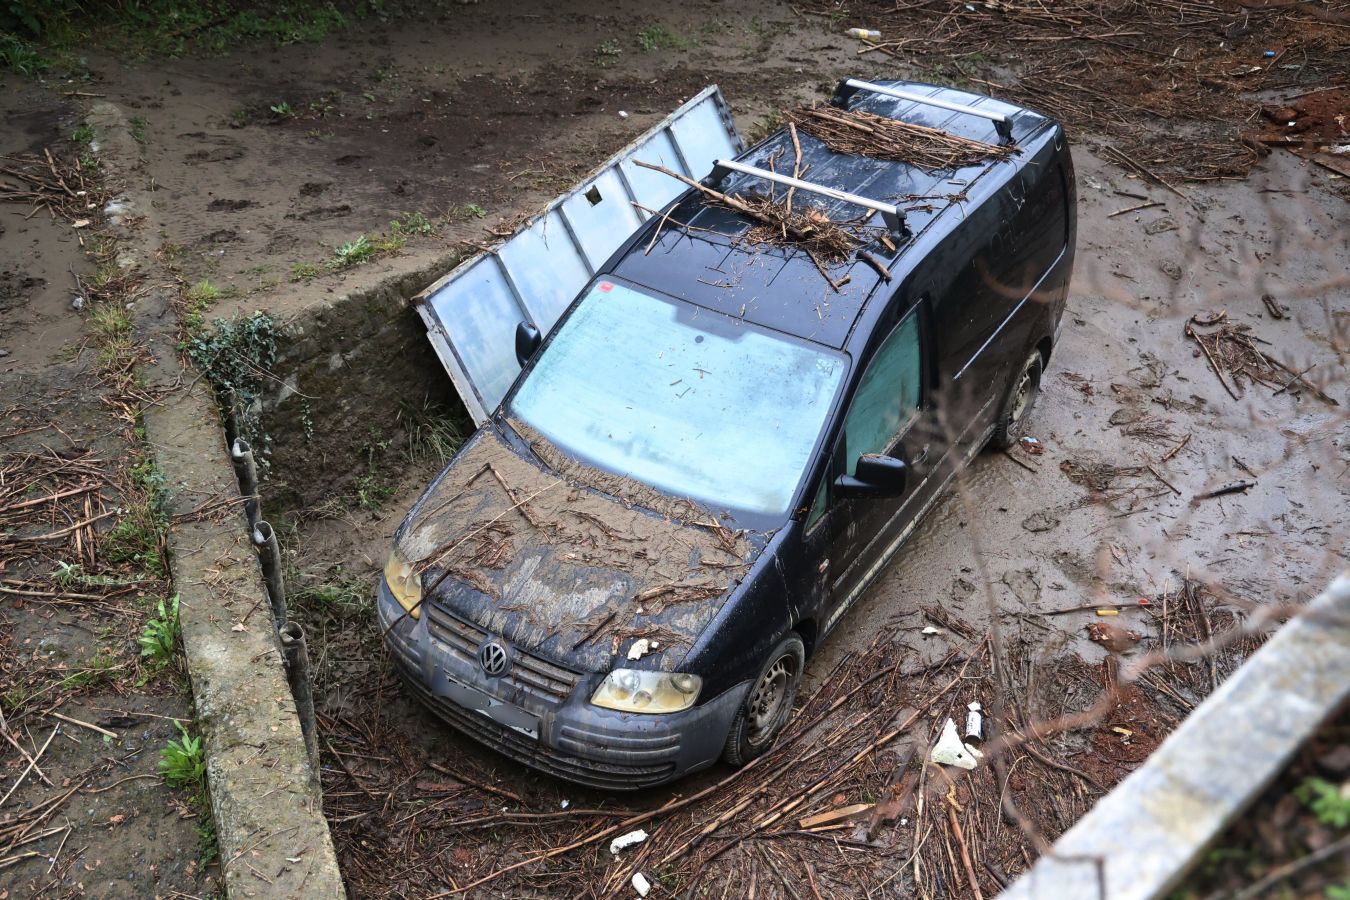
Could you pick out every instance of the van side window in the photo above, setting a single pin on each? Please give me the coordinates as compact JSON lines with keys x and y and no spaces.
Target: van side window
{"x":888,"y":395}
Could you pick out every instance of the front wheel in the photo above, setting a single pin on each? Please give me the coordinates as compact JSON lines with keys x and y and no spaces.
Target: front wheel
{"x":1012,"y":417}
{"x":768,"y":705}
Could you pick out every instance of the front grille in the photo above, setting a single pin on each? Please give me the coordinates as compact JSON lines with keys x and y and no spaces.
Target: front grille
{"x":529,"y":673}
{"x":607,"y":775}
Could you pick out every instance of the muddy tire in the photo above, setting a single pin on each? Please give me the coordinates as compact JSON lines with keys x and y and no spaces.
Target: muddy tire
{"x":1018,"y":403}
{"x":768,"y":704}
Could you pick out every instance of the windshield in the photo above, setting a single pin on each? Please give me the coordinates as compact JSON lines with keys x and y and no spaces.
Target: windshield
{"x":692,"y":402}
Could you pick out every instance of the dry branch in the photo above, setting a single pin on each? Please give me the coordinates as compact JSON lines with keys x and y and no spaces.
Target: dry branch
{"x":812,"y":230}
{"x":865,"y":134}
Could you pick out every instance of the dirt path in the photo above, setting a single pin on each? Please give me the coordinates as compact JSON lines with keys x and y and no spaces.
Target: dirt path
{"x":267,"y":162}
{"x":81,"y":578}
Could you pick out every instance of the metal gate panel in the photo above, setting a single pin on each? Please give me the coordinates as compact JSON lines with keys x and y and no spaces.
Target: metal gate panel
{"x":602,"y":220}
{"x":471,"y":314}
{"x":547,"y":289}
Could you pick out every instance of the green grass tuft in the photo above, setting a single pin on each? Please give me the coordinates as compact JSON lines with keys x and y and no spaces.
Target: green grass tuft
{"x":182,"y":762}
{"x":21,"y":56}
{"x":353,"y":253}
{"x":198,"y":299}
{"x":413,"y":223}
{"x":159,"y":638}
{"x":1330,"y":803}
{"x":658,"y":37}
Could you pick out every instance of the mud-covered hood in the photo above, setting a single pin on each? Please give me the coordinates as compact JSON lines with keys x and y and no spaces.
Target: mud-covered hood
{"x":558,"y":566}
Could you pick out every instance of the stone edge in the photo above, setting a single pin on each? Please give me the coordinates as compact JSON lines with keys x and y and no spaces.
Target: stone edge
{"x":265,"y":796}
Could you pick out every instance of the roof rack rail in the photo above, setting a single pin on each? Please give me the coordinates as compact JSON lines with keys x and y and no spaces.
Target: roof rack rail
{"x":890,"y":214}
{"x":850,"y":86}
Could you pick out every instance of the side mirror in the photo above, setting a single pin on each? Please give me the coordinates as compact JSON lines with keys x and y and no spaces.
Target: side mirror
{"x":528,"y":340}
{"x":875,"y":476}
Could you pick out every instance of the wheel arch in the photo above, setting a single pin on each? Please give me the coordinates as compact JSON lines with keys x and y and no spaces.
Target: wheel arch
{"x":809,"y":632}
{"x":1044,"y":348}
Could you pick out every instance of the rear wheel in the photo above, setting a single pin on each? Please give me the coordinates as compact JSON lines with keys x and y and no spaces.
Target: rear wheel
{"x":768,"y":705}
{"x":1021,"y":398}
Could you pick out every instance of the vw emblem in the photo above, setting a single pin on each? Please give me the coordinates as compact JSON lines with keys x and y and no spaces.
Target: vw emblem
{"x":492,"y":657}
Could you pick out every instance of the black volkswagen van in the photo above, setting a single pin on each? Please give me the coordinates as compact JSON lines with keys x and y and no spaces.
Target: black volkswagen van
{"x":719,"y":446}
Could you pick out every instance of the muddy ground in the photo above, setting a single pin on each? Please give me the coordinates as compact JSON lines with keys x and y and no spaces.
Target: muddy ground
{"x":267,"y":161}
{"x":94,"y":817}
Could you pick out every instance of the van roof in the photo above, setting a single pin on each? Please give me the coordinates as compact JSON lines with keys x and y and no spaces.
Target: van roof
{"x":778,"y":286}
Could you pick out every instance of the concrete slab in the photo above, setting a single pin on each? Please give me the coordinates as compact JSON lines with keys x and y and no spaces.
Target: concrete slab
{"x":265,"y":797}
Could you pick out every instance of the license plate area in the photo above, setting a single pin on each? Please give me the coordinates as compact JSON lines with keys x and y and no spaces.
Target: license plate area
{"x":484,"y":704}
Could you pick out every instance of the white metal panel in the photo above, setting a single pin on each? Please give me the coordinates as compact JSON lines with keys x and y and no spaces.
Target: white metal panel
{"x":652,"y":189}
{"x":600,"y":227}
{"x":471,"y":314}
{"x":545,"y":288}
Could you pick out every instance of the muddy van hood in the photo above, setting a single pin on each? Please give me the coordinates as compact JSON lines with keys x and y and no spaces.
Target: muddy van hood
{"x":561,"y":566}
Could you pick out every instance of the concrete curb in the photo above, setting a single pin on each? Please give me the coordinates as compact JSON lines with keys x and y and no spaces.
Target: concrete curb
{"x":1141,"y":839}
{"x":265,"y":796}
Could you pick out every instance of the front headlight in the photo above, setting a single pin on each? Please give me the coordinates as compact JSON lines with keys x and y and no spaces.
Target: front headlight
{"x":634,"y":690}
{"x":404,"y":583}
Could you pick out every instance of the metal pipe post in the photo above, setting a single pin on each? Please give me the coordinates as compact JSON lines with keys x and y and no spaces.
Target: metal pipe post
{"x":269,"y":555}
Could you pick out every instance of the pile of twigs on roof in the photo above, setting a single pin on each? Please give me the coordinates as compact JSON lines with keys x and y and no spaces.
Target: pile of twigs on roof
{"x":805,"y":225}
{"x":781,"y":221}
{"x":864,"y":134}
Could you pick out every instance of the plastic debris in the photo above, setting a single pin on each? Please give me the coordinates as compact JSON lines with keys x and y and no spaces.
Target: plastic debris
{"x":1268,"y":54}
{"x":951,"y":751}
{"x":622,"y":114}
{"x":564,"y":804}
{"x":864,"y":34}
{"x":929,"y":629}
{"x":639,"y":649}
{"x":974,"y":723}
{"x":1100,"y":612}
{"x":641,"y":884}
{"x":627,"y":840}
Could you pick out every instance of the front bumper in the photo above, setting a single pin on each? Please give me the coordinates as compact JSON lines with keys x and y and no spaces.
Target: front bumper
{"x":554,"y":730}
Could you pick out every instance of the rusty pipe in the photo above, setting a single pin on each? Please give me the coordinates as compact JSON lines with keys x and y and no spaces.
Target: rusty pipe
{"x":295,"y":651}
{"x":245,"y":470}
{"x":269,"y":556}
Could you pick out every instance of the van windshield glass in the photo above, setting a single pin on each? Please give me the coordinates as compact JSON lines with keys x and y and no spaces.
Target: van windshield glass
{"x":689,"y":401}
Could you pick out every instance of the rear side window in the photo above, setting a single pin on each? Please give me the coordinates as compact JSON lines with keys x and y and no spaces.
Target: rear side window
{"x":888,"y":395}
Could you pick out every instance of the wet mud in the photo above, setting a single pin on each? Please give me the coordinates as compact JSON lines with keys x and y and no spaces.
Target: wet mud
{"x":93,"y":817}
{"x":558,"y":566}
{"x":1104,"y":510}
